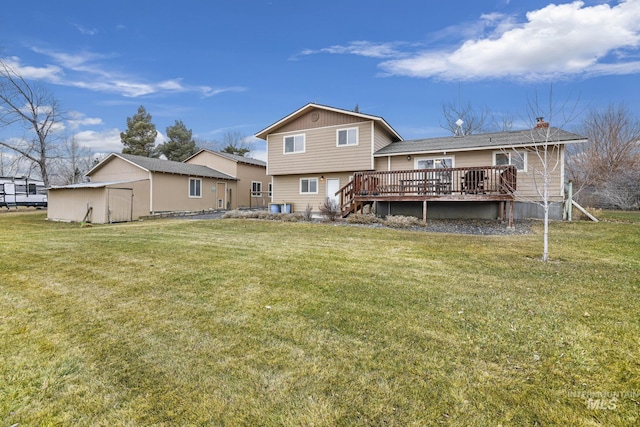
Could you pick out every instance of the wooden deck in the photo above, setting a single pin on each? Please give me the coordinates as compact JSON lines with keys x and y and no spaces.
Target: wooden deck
{"x":478,"y":184}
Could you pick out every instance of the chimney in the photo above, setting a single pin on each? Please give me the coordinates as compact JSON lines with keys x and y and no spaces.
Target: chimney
{"x":541,"y":124}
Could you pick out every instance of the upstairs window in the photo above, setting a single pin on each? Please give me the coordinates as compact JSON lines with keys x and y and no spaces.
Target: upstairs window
{"x":195,"y":187}
{"x":294,"y":144}
{"x":347,"y":137}
{"x":513,"y":158}
{"x":309,"y":186}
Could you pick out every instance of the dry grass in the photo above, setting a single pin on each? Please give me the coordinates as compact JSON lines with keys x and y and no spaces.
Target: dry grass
{"x":236,"y":322}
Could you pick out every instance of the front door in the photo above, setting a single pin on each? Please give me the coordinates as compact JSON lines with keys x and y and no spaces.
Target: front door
{"x":333,"y":185}
{"x":221,"y":195}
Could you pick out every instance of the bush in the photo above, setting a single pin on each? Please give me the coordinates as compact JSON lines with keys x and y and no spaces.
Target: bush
{"x":307,"y":213}
{"x":399,"y":221}
{"x":330,"y":209}
{"x":363,"y":219}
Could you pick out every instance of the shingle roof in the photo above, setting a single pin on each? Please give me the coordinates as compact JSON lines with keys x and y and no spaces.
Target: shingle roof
{"x":310,"y":106}
{"x":495,"y":140}
{"x":178,"y":168}
{"x":241,"y":159}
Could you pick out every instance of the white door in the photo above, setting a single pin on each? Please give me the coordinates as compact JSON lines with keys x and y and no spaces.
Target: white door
{"x":333,"y":185}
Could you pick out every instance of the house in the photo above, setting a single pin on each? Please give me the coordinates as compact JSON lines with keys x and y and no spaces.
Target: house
{"x":319,"y":152}
{"x":125,"y":187}
{"x":253,"y":187}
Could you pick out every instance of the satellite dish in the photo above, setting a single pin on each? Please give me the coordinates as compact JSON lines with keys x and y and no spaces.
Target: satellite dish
{"x":459,"y":123}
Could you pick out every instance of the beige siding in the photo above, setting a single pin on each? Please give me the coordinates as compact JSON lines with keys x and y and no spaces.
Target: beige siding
{"x":71,"y":204}
{"x":247,"y":174}
{"x":529,"y":181}
{"x":219,"y":163}
{"x":382,"y":138}
{"x":171,"y":193}
{"x":286,"y":189}
{"x":118,"y":169}
{"x":318,"y":118}
{"x":321,"y":152}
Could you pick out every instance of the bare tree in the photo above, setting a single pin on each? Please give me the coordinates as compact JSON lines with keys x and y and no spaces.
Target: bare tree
{"x":235,"y":143}
{"x":463,"y":120}
{"x":35,"y":109}
{"x":74,"y":162}
{"x":545,"y":157}
{"x":613,"y":147}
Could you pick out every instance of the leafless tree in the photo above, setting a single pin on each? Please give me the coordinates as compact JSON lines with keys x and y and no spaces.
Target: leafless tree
{"x":74,"y":162}
{"x":545,"y":156}
{"x":235,"y":143}
{"x":35,"y":109}
{"x":613,"y":147}
{"x":463,"y":120}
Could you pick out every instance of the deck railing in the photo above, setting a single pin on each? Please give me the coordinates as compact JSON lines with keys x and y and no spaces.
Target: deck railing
{"x":428,"y":183}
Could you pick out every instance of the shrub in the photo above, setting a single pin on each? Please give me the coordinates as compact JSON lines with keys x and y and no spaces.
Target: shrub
{"x":363,"y":219}
{"x":330,"y":209}
{"x":307,"y":213}
{"x":400,"y":221}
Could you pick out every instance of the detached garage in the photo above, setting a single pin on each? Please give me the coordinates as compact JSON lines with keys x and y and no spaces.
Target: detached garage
{"x":99,"y":202}
{"x":125,"y":187}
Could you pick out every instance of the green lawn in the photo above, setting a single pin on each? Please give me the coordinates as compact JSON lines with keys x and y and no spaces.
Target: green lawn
{"x":244,"y":322}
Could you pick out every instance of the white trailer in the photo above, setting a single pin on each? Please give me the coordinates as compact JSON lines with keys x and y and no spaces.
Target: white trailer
{"x":22,"y":191}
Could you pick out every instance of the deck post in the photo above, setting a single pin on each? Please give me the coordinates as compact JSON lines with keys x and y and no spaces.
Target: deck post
{"x":511,"y":214}
{"x":424,"y":211}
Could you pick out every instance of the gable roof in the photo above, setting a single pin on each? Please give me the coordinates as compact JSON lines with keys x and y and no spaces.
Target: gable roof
{"x":237,"y":159}
{"x":495,"y":140}
{"x":299,"y":112}
{"x":151,"y":164}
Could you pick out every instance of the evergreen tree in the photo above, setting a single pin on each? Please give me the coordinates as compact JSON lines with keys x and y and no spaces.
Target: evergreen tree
{"x":140,"y":136}
{"x":180,"y":145}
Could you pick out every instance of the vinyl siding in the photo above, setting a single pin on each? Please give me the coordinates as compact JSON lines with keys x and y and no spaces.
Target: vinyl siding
{"x":318,"y":118}
{"x":321,"y":151}
{"x":171,"y":193}
{"x":529,"y":182}
{"x":286,"y":189}
{"x":221,"y":164}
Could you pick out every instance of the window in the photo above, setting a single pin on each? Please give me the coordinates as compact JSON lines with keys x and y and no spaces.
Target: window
{"x":294,"y":144}
{"x":195,"y":187}
{"x":256,"y":189}
{"x":515,"y":158}
{"x":309,"y":186}
{"x":270,"y":189}
{"x":434,"y":163}
{"x":32,"y":189}
{"x":347,"y":137}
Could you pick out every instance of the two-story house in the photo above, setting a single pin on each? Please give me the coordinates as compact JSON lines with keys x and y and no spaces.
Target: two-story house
{"x":319,"y":152}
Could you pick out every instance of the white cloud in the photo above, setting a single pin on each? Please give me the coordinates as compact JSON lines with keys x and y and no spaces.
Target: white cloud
{"x":86,"y":70}
{"x":554,"y":42}
{"x":361,"y":48}
{"x":86,"y":31}
{"x":102,"y":142}
{"x":50,"y":73}
{"x":77,"y":119}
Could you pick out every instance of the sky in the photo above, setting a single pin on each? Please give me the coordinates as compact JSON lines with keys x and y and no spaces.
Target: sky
{"x":238,"y":66}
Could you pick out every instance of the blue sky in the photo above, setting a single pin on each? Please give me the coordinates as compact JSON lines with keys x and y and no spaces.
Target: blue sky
{"x":240,"y":65}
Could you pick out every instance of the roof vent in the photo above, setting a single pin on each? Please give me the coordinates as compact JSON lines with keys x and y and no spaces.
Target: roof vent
{"x":540,"y":123}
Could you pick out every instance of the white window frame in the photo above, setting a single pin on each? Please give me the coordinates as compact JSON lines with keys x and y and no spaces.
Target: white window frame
{"x":511,"y":154}
{"x":347,"y":131}
{"x":256,"y":189}
{"x":314,"y":179}
{"x":304,"y":144}
{"x":435,"y":159}
{"x":197,"y":194}
{"x":270,"y":189}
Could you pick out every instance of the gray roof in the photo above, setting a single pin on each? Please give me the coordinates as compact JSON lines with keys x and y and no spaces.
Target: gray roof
{"x":241,"y":159}
{"x":178,"y":168}
{"x":495,"y":140}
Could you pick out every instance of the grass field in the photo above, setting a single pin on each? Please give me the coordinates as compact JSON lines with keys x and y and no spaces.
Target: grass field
{"x":243,"y":322}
